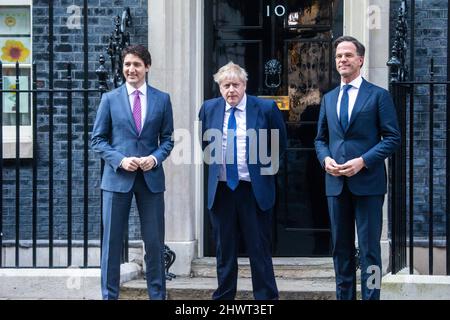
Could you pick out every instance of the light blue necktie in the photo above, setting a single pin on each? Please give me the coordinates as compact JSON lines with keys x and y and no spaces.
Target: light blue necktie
{"x":343,"y":113}
{"x":232,"y":168}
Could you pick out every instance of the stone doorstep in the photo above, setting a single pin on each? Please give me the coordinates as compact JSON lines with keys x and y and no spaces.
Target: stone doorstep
{"x":297,"y":279}
{"x":284,"y":268}
{"x":203,"y":288}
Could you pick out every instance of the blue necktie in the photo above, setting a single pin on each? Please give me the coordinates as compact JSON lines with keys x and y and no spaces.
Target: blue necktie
{"x":343,"y":114}
{"x":232,"y":168}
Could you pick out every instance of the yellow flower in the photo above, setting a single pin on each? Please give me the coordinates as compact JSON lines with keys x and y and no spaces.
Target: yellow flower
{"x":14,"y":51}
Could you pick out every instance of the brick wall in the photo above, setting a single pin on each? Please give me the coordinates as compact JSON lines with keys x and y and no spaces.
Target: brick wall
{"x":68,"y":47}
{"x":430,"y":40}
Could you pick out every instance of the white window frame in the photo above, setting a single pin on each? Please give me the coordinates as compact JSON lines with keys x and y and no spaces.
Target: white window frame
{"x":25,"y":131}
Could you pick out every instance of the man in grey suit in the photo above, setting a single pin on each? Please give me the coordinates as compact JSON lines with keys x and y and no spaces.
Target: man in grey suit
{"x":133,"y":134}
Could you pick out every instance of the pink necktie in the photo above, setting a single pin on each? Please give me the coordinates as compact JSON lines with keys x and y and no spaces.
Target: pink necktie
{"x":137,"y":111}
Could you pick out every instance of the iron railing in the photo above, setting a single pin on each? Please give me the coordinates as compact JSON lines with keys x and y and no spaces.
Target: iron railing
{"x":36,"y":96}
{"x":416,"y":103}
{"x":69,"y":98}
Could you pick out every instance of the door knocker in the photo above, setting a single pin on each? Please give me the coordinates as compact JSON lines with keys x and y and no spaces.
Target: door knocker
{"x":272,"y":70}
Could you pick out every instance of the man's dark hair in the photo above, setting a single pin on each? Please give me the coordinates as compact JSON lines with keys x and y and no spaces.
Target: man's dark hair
{"x":360,"y":49}
{"x":139,"y":51}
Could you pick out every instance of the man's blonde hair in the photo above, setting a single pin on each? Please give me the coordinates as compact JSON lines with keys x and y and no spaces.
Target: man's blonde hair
{"x":231,"y":71}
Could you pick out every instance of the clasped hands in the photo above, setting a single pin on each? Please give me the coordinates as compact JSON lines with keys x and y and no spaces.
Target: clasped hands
{"x":348,"y":169}
{"x":133,"y":163}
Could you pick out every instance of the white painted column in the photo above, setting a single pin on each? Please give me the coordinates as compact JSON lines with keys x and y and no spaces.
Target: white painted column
{"x":176,"y":45}
{"x":368,"y":21}
{"x":355,"y":25}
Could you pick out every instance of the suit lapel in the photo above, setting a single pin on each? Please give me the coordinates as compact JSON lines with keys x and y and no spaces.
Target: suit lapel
{"x":363,"y":95}
{"x":333,"y":107}
{"x":251,"y":114}
{"x":124,"y":101}
{"x":219,"y":114}
{"x":151,"y":105}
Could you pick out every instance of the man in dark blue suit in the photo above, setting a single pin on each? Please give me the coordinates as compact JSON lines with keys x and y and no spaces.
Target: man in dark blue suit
{"x":133,"y":134}
{"x":249,"y":136}
{"x":357,"y":131}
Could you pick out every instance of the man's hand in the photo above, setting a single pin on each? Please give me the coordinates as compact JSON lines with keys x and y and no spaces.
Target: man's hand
{"x":146,"y":163}
{"x":332,"y":167}
{"x":352,"y":167}
{"x":130,"y":164}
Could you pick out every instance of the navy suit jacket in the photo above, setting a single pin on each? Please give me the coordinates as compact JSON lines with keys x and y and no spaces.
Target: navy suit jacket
{"x":114,"y":137}
{"x":372,"y":134}
{"x":260,"y":114}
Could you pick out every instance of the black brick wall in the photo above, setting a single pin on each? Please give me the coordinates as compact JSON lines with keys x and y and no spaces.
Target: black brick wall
{"x":430,"y":40}
{"x":68,"y":47}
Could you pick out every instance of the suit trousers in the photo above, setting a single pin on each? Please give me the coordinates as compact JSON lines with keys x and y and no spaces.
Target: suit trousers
{"x":236,"y":214}
{"x":344,"y":210}
{"x":116,"y":210}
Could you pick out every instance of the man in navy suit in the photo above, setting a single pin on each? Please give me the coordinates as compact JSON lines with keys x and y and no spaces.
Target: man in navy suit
{"x":241,"y":181}
{"x":357,"y":131}
{"x":133,"y":134}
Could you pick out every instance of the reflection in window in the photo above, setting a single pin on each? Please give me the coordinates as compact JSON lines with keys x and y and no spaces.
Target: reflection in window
{"x":239,"y":13}
{"x":308,"y":75}
{"x":311,"y":12}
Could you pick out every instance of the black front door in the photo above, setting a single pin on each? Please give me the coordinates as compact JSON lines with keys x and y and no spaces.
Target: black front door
{"x":286,"y":48}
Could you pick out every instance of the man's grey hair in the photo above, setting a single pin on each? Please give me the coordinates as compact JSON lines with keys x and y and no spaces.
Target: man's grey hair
{"x":231,"y":71}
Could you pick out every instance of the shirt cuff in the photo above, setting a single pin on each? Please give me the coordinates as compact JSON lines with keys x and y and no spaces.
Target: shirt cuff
{"x":120,"y":164}
{"x":156,"y":161}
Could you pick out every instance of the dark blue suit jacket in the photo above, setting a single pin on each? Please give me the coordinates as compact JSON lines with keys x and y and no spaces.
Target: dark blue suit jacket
{"x":372,"y":134}
{"x":114,"y":137}
{"x":260,"y":114}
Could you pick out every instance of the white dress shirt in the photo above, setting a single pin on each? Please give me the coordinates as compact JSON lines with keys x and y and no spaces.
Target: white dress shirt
{"x":241,"y":140}
{"x":352,"y":94}
{"x":143,"y":97}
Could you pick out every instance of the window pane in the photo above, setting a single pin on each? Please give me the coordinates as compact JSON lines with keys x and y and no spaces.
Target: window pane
{"x":9,"y":98}
{"x":233,"y":13}
{"x":15,"y":20}
{"x":313,"y":12}
{"x":15,"y":49}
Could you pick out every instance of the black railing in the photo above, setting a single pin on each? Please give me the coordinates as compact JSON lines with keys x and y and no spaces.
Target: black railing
{"x":71,"y":102}
{"x":20,"y":164}
{"x":405,"y":175}
{"x":417,"y":102}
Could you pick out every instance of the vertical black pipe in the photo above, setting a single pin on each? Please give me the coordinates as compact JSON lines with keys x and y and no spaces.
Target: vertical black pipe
{"x":411,"y":179}
{"x":331,"y":49}
{"x":394,"y":213}
{"x":398,"y":232}
{"x":403,"y":178}
{"x":1,"y":165}
{"x":50,"y":133}
{"x":69,"y":164}
{"x":412,"y":54}
{"x":17,"y":162}
{"x":34,"y":166}
{"x":431,"y":176}
{"x":85,"y":139}
{"x":447,"y":184}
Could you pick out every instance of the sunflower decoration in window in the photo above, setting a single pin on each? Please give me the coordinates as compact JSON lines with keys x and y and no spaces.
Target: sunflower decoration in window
{"x":14,"y":50}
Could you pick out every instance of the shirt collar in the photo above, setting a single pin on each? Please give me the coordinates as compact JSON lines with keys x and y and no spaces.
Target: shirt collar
{"x":241,"y":105}
{"x":356,"y":83}
{"x":142,"y":89}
